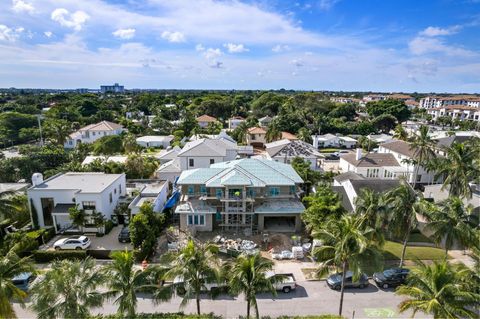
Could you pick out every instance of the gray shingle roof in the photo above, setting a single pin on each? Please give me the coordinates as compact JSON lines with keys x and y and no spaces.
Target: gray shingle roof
{"x":371,"y":160}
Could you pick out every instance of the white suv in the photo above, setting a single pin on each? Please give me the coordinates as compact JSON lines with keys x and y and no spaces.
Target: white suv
{"x":79,"y":242}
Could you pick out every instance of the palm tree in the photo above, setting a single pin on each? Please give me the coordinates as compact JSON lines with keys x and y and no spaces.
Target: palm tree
{"x":304,"y":134}
{"x":130,"y":144}
{"x":348,"y":244}
{"x":123,"y":281}
{"x":14,"y":207}
{"x":438,"y":290}
{"x":196,"y":265}
{"x":422,"y":147}
{"x":373,"y":207}
{"x":10,"y":266}
{"x":68,"y":290}
{"x":452,"y":222}
{"x":400,"y":133}
{"x":458,"y":167}
{"x":273,"y":133}
{"x":405,"y":204}
{"x":249,"y":275}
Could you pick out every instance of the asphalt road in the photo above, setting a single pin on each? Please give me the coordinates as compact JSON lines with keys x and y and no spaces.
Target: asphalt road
{"x":310,"y":298}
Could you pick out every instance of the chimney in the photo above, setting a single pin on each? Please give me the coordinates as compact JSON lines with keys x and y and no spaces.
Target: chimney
{"x":315,"y":141}
{"x":37,"y":179}
{"x":358,"y":155}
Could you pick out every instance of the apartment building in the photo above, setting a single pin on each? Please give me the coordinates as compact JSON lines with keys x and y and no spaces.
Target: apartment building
{"x":246,"y":195}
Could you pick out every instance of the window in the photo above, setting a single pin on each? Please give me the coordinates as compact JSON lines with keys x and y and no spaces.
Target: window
{"x":191,"y":190}
{"x":120,"y":188}
{"x":104,"y":133}
{"x":274,"y":191}
{"x":197,"y":220}
{"x":253,"y":137}
{"x":219,"y":193}
{"x":292,"y":190}
{"x":93,"y":133}
{"x":212,"y":161}
{"x":115,"y":191}
{"x":70,"y":142}
{"x":110,"y":197}
{"x":203,"y":190}
{"x":191,"y":163}
{"x":88,"y":205}
{"x":373,"y":172}
{"x":419,"y":177}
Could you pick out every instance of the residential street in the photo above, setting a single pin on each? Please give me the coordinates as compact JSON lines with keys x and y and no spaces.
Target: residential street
{"x":310,"y":298}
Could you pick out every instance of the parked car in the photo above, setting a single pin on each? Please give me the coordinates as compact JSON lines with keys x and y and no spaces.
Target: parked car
{"x":335,"y":281}
{"x":287,"y":284}
{"x":124,"y":235}
{"x":391,"y":277}
{"x":77,"y":243}
{"x":23,"y":280}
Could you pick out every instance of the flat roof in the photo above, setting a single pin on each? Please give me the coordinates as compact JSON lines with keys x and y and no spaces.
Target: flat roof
{"x":12,"y":187}
{"x":89,"y":182}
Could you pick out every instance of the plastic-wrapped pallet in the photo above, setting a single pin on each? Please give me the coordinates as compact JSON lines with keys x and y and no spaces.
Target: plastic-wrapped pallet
{"x":297,"y":252}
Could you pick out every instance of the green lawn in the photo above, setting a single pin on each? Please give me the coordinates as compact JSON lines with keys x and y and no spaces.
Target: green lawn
{"x":393,"y":251}
{"x":329,"y":150}
{"x":419,"y":238}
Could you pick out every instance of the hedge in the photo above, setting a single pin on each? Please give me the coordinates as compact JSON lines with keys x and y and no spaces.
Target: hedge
{"x":108,"y":226}
{"x":43,"y":256}
{"x":158,"y":315}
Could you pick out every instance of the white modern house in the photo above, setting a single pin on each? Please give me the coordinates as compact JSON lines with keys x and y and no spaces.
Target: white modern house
{"x":372,"y":165}
{"x":52,"y":198}
{"x":120,"y":159}
{"x":331,"y":140}
{"x":379,"y":138}
{"x":284,"y":151}
{"x":92,"y":132}
{"x":234,"y":122}
{"x":155,"y":141}
{"x":154,"y":193}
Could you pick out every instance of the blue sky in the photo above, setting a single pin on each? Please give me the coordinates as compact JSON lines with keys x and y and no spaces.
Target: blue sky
{"x":392,"y":46}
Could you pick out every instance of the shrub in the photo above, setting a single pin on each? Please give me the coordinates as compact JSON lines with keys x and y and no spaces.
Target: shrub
{"x":108,"y":226}
{"x":43,"y":256}
{"x":158,"y":315}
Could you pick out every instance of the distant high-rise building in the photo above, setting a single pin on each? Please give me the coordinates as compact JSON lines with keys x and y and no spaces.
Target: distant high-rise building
{"x":82,"y":90}
{"x":116,"y":88}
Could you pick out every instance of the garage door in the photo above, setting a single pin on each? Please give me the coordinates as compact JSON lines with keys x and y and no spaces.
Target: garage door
{"x":280,"y":224}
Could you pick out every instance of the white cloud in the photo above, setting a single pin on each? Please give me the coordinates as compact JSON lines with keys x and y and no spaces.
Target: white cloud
{"x":199,"y":47}
{"x":9,"y":34}
{"x":297,"y":62}
{"x":124,"y":33}
{"x":327,"y":4}
{"x":280,"y":48}
{"x":73,"y":20}
{"x":235,"y":48}
{"x":22,"y":6}
{"x":48,"y":34}
{"x":424,"y":45}
{"x":173,"y":36}
{"x":211,"y":53}
{"x":436,"y":31}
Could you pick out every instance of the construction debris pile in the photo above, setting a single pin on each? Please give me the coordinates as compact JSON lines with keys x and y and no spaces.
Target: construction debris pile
{"x":240,"y":245}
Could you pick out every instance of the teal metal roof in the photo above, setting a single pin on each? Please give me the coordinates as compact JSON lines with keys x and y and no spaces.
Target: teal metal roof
{"x":248,"y":172}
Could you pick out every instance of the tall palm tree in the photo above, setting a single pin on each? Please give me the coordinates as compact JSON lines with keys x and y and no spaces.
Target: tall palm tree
{"x":10,"y":266}
{"x":452,"y":222}
{"x":68,"y":290}
{"x":373,"y":207}
{"x":249,"y":275}
{"x":196,"y":265}
{"x":348,"y":244}
{"x":400,"y":133}
{"x":422,"y":147}
{"x":438,"y":290}
{"x":459,"y":167}
{"x":273,"y":133}
{"x":405,"y":204}
{"x":123,"y":281}
{"x":304,"y":134}
{"x":14,"y":207}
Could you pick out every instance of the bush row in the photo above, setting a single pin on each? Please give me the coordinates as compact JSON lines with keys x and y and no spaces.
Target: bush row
{"x":44,"y":256}
{"x":158,"y":315}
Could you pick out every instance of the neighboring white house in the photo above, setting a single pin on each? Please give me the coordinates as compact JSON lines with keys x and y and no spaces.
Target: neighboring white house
{"x":92,"y":132}
{"x":234,"y":122}
{"x":201,"y":153}
{"x":155,"y":141}
{"x":350,"y":185}
{"x":154,"y":193}
{"x":456,"y":112}
{"x":284,"y":151}
{"x":330,"y":140}
{"x":265,"y":121}
{"x":204,"y":120}
{"x":93,"y":192}
{"x":404,"y":154}
{"x":167,"y":155}
{"x":380,"y":138}
{"x":372,"y":165}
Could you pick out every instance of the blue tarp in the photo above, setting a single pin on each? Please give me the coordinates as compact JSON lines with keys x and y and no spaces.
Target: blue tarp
{"x":172,"y":201}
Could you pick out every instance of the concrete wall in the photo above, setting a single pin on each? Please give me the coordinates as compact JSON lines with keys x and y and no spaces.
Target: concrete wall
{"x":208,"y":223}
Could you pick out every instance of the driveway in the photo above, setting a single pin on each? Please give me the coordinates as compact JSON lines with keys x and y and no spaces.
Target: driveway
{"x":107,"y":242}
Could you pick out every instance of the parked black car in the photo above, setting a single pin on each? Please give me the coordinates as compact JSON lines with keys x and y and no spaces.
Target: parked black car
{"x":391,"y":277}
{"x":124,"y":235}
{"x":335,"y":281}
